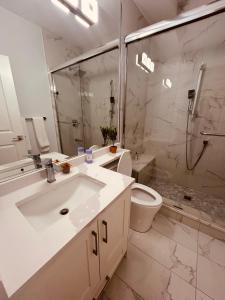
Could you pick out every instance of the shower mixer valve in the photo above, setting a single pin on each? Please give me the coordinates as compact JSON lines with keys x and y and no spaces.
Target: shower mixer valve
{"x":191,"y":94}
{"x":191,"y":97}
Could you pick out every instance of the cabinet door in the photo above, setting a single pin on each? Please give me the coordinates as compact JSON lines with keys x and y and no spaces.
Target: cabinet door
{"x":70,"y":275}
{"x":112,"y":235}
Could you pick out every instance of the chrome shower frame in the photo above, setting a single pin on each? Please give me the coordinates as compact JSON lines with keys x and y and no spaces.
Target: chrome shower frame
{"x":192,"y":16}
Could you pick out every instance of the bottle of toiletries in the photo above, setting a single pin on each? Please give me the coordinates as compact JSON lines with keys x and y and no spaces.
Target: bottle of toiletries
{"x":80,"y":151}
{"x":89,"y":156}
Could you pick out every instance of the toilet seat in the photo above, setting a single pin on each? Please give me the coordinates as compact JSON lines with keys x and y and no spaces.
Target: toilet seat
{"x":145,"y":196}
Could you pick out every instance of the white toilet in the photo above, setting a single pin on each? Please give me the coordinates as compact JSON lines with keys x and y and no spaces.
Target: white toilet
{"x":145,"y":202}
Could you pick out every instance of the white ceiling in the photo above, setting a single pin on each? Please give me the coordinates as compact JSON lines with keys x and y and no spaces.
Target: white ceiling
{"x":48,"y":16}
{"x":158,"y":10}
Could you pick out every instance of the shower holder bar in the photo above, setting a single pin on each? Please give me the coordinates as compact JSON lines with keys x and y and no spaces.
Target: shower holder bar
{"x":212,"y":134}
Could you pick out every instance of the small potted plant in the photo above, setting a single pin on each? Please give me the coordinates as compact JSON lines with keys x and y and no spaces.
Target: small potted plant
{"x":105,"y":134}
{"x":113,"y":136}
{"x":65,"y":167}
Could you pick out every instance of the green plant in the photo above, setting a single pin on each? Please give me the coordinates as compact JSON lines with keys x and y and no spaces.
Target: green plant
{"x":105,"y":134}
{"x":112,"y":132}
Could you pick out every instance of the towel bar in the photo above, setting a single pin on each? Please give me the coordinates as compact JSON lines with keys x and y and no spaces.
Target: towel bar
{"x":30,"y":119}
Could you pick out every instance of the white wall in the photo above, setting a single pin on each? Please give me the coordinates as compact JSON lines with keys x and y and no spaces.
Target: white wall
{"x":132,"y":18}
{"x":58,"y":50}
{"x":22,"y":41}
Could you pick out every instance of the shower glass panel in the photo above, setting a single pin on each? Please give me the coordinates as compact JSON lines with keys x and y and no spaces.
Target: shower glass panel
{"x":69,"y":109}
{"x":86,"y":98}
{"x":99,"y":95}
{"x":176,"y":90}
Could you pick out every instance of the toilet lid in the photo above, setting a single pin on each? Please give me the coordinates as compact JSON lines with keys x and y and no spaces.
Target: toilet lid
{"x":144,"y":195}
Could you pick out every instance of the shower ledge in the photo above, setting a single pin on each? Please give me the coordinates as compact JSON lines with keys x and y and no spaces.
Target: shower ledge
{"x":142,"y":162}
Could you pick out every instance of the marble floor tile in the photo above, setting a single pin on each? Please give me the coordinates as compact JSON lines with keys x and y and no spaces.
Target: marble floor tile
{"x":167,"y":252}
{"x":211,"y":278}
{"x":164,"y":264}
{"x":178,"y":289}
{"x":179,"y":232}
{"x":148,"y":278}
{"x":202,"y":296}
{"x":212,"y":249}
{"x":117,"y":289}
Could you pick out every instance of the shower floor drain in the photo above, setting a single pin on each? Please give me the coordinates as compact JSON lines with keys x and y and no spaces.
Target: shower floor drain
{"x":64,"y":211}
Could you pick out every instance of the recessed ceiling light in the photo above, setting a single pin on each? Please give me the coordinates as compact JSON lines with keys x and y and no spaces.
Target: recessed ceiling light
{"x":82,"y":21}
{"x":61,"y":6}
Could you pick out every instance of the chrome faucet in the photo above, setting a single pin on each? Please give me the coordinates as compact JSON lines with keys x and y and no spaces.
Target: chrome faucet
{"x":49,"y":170}
{"x":36,"y":159}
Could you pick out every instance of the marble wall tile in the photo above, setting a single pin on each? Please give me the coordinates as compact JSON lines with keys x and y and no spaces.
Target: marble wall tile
{"x":173,"y":256}
{"x":176,"y":231}
{"x":95,"y":95}
{"x":156,"y":118}
{"x":68,"y":108}
{"x":57,"y":49}
{"x":84,"y":95}
{"x":202,"y":296}
{"x":210,"y":278}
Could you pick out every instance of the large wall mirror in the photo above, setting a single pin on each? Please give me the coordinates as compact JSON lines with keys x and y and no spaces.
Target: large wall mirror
{"x":53,"y":120}
{"x":86,"y":100}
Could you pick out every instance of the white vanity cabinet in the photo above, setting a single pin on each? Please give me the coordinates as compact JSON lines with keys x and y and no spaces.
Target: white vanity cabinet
{"x":71,"y":274}
{"x":82,"y":267}
{"x":111,"y":236}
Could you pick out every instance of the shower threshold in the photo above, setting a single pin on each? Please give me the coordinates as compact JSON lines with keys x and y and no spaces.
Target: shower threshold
{"x":197,"y":204}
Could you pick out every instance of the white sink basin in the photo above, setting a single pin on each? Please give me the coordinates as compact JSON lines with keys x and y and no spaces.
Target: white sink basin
{"x":45,"y":209}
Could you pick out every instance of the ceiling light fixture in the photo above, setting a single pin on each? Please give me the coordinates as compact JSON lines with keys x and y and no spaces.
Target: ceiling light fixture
{"x":82,"y":21}
{"x":73,"y":3}
{"x":90,"y":9}
{"x":61,"y":6}
{"x":85,"y":11}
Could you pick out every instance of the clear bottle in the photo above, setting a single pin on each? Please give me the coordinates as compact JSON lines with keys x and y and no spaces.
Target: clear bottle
{"x":80,"y":151}
{"x":89,"y":156}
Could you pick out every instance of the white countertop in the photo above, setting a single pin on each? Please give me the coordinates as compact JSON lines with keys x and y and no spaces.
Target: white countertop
{"x":23,"y":250}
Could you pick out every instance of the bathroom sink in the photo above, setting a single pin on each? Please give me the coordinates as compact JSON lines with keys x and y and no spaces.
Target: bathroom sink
{"x":49,"y":207}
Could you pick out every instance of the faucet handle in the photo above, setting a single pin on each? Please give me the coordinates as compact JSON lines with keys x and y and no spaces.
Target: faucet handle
{"x":48,"y":162}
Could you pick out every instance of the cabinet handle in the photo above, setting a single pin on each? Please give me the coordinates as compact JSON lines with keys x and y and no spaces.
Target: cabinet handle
{"x":105,"y":239}
{"x":95,"y":251}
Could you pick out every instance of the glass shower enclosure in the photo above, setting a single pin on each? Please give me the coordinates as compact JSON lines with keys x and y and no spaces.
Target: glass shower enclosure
{"x":175,"y":97}
{"x":86,"y":98}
